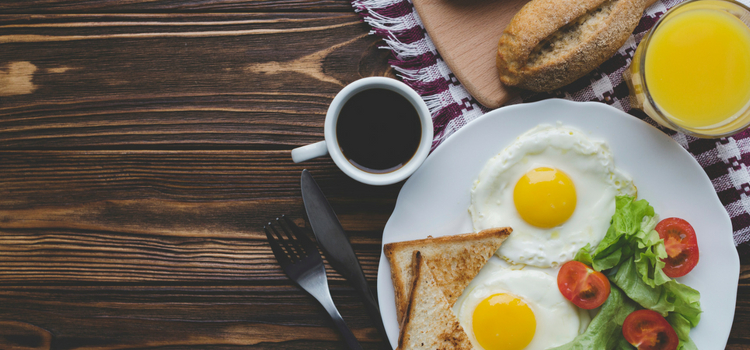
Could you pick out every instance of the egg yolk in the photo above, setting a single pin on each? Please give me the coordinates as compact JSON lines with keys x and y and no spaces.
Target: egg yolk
{"x":545,"y":197}
{"x":503,"y":322}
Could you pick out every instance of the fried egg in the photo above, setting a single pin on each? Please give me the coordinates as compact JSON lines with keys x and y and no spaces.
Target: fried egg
{"x":556,"y":188}
{"x":512,"y":309}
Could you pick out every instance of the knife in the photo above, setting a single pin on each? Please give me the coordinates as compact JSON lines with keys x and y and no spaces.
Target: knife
{"x":335,"y":244}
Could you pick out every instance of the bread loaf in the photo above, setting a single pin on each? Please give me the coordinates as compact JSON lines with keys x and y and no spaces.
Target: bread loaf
{"x":551,"y":43}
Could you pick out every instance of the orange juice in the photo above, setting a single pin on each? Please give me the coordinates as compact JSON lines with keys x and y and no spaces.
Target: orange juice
{"x":698,"y":67}
{"x":695,"y":67}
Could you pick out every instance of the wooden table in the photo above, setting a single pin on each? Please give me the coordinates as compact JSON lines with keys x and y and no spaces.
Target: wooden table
{"x":143,"y":145}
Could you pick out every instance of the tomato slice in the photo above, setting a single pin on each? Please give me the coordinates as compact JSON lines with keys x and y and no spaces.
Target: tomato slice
{"x":681,"y":245}
{"x":648,"y":330}
{"x":583,"y":286}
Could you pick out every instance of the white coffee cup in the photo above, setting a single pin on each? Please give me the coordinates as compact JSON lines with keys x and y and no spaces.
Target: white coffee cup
{"x":331,"y":146}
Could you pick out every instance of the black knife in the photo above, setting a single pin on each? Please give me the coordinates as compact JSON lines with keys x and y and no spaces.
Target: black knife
{"x":335,"y":244}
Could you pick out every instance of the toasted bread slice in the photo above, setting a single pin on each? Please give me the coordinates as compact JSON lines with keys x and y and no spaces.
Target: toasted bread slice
{"x":453,"y":260}
{"x":429,"y":323}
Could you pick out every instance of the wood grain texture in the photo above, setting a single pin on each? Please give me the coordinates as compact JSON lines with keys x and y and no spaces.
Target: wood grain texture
{"x":113,"y":216}
{"x":143,"y":145}
{"x":154,"y":249}
{"x":171,"y":6}
{"x":239,"y":81}
{"x":195,"y":317}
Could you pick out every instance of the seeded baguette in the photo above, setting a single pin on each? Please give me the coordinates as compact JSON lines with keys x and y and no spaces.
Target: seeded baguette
{"x":551,"y":43}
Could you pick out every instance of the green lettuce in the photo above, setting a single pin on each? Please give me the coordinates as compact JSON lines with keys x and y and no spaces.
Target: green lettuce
{"x":631,"y":256}
{"x":682,"y":327}
{"x":671,"y":296}
{"x":602,"y":332}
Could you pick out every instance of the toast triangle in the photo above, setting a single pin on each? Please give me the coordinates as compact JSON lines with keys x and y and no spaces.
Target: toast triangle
{"x":429,"y":323}
{"x":453,"y":260}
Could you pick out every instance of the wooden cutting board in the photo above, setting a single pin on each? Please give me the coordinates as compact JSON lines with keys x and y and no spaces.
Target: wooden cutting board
{"x":465,"y":33}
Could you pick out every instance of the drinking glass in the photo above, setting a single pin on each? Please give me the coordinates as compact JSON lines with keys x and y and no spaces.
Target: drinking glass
{"x":642,"y":98}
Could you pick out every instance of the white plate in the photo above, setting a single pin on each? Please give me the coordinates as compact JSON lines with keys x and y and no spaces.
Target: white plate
{"x":435,"y":200}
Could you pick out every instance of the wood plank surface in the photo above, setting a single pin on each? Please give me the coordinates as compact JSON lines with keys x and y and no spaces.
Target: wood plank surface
{"x":157,"y":81}
{"x":144,"y":144}
{"x":171,"y":216}
{"x":171,"y":6}
{"x":188,"y":317}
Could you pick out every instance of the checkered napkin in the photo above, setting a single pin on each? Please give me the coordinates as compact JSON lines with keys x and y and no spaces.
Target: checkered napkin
{"x":418,"y":63}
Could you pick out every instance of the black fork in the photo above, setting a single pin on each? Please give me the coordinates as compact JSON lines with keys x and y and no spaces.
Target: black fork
{"x":301,"y":261}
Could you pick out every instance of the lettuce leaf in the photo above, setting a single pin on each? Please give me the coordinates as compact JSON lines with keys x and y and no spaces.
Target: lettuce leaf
{"x":686,"y":301}
{"x":631,"y":256}
{"x":584,"y":256}
{"x":672,"y":296}
{"x":633,"y":221}
{"x":628,"y":279}
{"x":631,"y":234}
{"x":650,"y":251}
{"x":602,"y":332}
{"x":682,"y":328}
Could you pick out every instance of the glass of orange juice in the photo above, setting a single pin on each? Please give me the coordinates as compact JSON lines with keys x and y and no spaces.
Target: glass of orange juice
{"x":691,"y":73}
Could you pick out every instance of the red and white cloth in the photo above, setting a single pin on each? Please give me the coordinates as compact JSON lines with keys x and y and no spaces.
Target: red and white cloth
{"x":725,"y":160}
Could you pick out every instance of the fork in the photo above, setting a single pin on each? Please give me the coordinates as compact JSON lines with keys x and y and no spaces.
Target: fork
{"x":301,"y":261}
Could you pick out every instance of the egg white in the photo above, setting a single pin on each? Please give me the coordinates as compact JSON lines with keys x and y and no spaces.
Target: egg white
{"x":588,"y":163}
{"x":558,"y":321}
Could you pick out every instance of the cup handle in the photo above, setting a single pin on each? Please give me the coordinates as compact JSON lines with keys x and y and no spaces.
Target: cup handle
{"x":313,"y":150}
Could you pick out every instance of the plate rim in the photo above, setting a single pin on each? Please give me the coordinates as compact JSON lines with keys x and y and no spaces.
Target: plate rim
{"x":567,"y":104}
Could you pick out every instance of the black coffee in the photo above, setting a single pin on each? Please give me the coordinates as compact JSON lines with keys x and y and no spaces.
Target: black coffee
{"x":378,"y":130}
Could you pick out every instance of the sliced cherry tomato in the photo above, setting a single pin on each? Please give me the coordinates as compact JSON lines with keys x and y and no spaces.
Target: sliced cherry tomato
{"x":583,"y":286}
{"x":648,"y":330}
{"x":681,"y":245}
